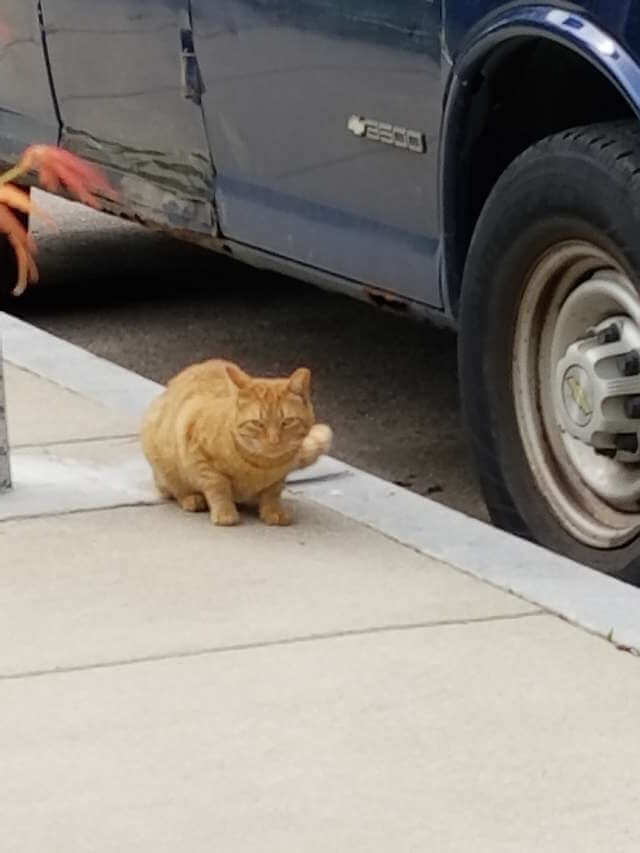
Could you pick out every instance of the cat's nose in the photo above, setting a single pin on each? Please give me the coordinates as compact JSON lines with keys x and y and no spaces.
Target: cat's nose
{"x":272,"y":436}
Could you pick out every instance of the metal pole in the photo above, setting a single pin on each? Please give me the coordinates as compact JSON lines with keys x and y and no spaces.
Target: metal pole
{"x":5,"y":464}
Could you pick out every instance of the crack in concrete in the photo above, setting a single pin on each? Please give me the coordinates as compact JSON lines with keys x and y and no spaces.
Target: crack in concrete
{"x":267,"y":644}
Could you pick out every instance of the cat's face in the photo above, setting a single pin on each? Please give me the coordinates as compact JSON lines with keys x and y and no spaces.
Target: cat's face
{"x":273,"y":416}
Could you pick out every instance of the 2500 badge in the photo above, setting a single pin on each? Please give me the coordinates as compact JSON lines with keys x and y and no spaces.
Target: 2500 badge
{"x":389,"y":134}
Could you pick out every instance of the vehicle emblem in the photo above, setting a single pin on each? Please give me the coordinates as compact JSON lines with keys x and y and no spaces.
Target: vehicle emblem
{"x":388,"y":134}
{"x":357,"y":125}
{"x":576,"y":393}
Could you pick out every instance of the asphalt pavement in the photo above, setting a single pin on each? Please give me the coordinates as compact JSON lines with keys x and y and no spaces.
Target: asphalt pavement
{"x":386,"y":384}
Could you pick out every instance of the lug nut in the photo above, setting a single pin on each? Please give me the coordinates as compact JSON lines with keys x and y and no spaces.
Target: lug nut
{"x":609,"y":335}
{"x":629,"y":363}
{"x":606,"y":451}
{"x":632,"y":407}
{"x":627,"y":442}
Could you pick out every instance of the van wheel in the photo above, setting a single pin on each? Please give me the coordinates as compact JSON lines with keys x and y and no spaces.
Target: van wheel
{"x":550,"y":346}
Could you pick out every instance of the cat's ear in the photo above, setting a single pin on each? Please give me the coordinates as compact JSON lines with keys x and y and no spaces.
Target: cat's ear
{"x":300,"y":381}
{"x":239,"y":378}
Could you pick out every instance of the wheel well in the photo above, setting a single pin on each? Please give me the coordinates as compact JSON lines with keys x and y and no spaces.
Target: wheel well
{"x":527,"y":89}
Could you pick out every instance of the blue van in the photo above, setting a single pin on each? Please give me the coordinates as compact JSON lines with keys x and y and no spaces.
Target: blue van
{"x":474,"y":162}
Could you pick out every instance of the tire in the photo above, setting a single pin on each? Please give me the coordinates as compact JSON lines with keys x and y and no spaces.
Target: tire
{"x":574,"y":195}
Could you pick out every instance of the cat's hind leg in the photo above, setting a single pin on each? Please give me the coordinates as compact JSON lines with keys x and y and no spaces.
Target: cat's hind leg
{"x":193,"y":503}
{"x":189,"y":502}
{"x":161,"y":485}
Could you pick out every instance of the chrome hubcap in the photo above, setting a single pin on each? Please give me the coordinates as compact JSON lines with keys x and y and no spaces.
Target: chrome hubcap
{"x":576,"y":380}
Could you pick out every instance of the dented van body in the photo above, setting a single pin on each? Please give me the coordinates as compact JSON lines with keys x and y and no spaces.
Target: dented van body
{"x":357,"y":145}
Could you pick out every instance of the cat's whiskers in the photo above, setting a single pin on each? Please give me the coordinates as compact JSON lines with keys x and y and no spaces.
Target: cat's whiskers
{"x":260,"y":459}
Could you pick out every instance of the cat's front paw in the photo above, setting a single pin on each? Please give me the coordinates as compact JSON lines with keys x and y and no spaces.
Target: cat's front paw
{"x":225,"y":516}
{"x":276,"y":515}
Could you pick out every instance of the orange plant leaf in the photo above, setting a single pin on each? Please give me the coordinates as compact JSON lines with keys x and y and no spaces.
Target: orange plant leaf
{"x":27,"y":269}
{"x":23,"y":245}
{"x":20,"y":200}
{"x":16,"y":198}
{"x":57,"y":168}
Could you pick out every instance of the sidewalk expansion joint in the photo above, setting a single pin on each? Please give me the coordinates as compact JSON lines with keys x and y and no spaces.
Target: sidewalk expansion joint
{"x":35,"y":445}
{"x":267,"y":644}
{"x":83,"y":510}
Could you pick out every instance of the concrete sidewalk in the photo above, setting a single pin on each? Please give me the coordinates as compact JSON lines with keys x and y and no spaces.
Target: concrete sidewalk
{"x":346,"y":684}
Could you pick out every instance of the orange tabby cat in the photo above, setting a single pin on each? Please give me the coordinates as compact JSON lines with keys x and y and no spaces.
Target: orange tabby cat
{"x":217,"y":437}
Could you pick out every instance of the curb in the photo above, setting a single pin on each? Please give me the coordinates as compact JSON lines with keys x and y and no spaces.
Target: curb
{"x":598,"y":603}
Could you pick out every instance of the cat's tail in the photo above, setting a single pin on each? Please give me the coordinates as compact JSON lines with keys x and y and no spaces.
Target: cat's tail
{"x":316,"y":444}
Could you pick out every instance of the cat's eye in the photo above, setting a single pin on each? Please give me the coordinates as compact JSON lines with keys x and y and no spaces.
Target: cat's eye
{"x":287,"y":423}
{"x":254,"y":426}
